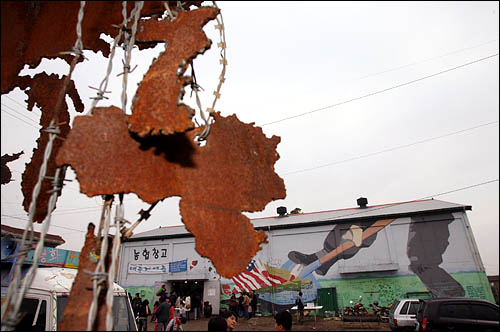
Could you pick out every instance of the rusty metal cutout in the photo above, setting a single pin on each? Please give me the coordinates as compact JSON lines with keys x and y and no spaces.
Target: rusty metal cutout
{"x":108,"y":160}
{"x":234,"y":172}
{"x":6,"y":174}
{"x":156,"y":108}
{"x":224,"y":235}
{"x":29,"y":31}
{"x":76,"y":311}
{"x":44,"y":90}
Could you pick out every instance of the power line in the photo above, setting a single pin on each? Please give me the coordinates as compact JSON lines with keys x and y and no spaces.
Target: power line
{"x":380,"y":91}
{"x":419,"y":199}
{"x":21,"y":113}
{"x":23,"y":106}
{"x":71,"y":229}
{"x":421,"y":61}
{"x":29,"y":124}
{"x":452,"y":191}
{"x":392,"y":149}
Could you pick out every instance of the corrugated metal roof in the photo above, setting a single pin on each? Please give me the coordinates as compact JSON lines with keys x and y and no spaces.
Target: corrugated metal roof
{"x":51,"y":240}
{"x":308,"y":219}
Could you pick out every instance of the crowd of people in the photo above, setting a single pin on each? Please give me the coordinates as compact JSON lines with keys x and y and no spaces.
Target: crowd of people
{"x":169,"y":312}
{"x":245,"y":305}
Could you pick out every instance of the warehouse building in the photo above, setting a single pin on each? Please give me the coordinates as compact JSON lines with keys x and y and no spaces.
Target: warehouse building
{"x":412,"y":249}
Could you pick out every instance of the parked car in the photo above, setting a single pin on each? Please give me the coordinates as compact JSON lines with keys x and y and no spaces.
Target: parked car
{"x":459,"y":314}
{"x":43,"y":304}
{"x":403,"y":314}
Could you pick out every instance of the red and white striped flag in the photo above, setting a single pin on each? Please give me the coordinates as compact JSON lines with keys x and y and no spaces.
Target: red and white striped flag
{"x":255,"y":277}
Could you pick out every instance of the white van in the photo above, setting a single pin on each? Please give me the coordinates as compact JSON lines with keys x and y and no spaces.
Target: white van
{"x":43,"y":305}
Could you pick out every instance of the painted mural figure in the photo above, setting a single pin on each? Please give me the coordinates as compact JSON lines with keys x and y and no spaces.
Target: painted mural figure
{"x":345,"y":240}
{"x":339,"y":235}
{"x":432,"y":231}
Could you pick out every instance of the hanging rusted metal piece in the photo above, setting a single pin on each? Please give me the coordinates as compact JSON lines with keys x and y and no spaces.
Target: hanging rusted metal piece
{"x":44,"y":90}
{"x":233,"y":172}
{"x":79,"y":300}
{"x":157,"y":107}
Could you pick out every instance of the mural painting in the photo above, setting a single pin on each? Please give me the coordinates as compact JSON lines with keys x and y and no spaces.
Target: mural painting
{"x":417,"y":268}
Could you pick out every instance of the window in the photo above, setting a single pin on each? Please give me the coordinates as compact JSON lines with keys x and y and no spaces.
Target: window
{"x":456,"y":310}
{"x":413,"y":308}
{"x":404,"y":309}
{"x":28,"y":311}
{"x":394,"y":306}
{"x":485,"y":312}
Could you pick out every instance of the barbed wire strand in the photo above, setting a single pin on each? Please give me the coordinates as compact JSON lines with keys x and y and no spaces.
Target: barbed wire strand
{"x":223,"y":61}
{"x":99,"y":274}
{"x":104,"y":83}
{"x":13,"y":296}
{"x":128,"y":45}
{"x":77,"y":51}
{"x":119,"y":215}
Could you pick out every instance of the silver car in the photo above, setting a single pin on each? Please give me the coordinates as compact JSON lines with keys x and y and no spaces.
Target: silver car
{"x":403,"y":315}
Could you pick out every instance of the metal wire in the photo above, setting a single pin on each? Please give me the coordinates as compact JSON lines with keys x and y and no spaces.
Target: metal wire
{"x":100,"y":270}
{"x":15,"y":297}
{"x":119,"y":214}
{"x":202,"y":136}
{"x":128,"y":45}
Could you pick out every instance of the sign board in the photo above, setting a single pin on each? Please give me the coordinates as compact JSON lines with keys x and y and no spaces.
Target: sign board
{"x":179,"y":266}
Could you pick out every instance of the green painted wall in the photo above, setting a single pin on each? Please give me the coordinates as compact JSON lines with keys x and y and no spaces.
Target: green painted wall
{"x":145,"y":293}
{"x":387,"y":289}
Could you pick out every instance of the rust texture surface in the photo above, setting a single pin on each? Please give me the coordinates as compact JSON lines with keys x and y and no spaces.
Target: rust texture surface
{"x":5,"y":171}
{"x":76,"y":311}
{"x":156,"y":108}
{"x":234,"y":172}
{"x":44,"y":90}
{"x":30,"y":32}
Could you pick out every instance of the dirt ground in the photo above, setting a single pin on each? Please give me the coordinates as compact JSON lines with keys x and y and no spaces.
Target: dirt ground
{"x":267,"y":324}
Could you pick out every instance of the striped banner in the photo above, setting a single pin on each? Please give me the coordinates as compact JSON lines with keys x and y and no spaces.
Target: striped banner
{"x":255,"y":277}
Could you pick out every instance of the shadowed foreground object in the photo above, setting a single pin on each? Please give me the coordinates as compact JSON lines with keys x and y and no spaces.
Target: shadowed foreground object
{"x":233,"y":172}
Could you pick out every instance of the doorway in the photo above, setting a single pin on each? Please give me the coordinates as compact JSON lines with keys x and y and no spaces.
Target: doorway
{"x":327,"y":297}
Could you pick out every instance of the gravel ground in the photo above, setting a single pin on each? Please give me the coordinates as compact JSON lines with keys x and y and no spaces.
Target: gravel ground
{"x":267,"y":324}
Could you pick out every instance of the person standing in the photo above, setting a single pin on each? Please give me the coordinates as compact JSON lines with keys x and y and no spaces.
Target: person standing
{"x":246,"y":305}
{"x":300,"y":307}
{"x":233,"y":305}
{"x":163,"y":314}
{"x":144,"y":312}
{"x":196,"y":304}
{"x":187,"y":302}
{"x":153,"y":316}
{"x":136,"y":305}
{"x":162,"y":292}
{"x":253,"y":302}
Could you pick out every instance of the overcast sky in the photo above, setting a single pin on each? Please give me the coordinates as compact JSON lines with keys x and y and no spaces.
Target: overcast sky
{"x":393,"y":101}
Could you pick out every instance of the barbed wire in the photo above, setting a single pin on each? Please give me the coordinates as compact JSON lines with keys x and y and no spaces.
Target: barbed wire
{"x":208,"y":120}
{"x":128,"y":45}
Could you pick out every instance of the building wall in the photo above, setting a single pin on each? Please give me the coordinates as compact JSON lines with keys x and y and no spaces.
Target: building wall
{"x":419,"y":256}
{"x":434,"y":255}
